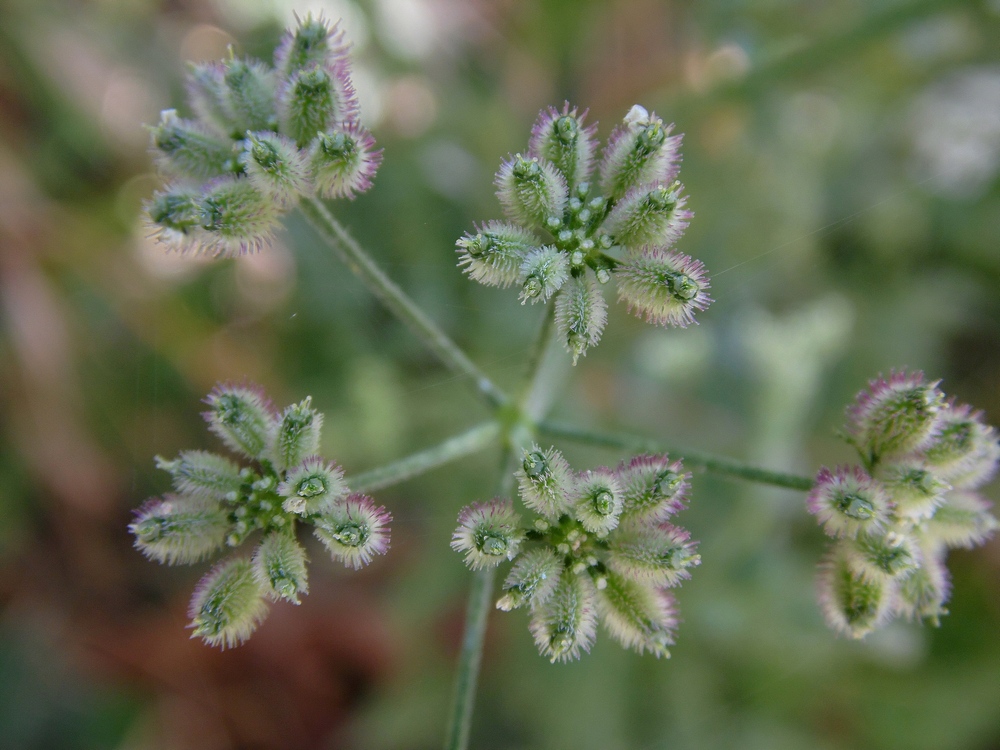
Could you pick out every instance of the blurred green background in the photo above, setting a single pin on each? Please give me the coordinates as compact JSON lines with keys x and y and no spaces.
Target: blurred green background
{"x":842,"y":159}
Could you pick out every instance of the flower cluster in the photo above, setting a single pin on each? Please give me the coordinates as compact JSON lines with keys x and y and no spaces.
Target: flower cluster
{"x":217,"y":503}
{"x":601,"y":547}
{"x":261,"y":138}
{"x":894,"y":518}
{"x":625,"y":225}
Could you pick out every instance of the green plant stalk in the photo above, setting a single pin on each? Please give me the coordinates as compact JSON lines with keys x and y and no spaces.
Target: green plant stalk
{"x":692,"y":459}
{"x":477,"y":612}
{"x":459,"y":446}
{"x":361,"y":264}
{"x":537,"y":394}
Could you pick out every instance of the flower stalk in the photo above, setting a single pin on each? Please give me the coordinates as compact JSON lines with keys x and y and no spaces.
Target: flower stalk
{"x":394,"y":298}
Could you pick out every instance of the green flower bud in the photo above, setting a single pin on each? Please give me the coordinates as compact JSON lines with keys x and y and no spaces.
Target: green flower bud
{"x":923,"y":593}
{"x":206,"y":90}
{"x":174,"y":218}
{"x":653,"y":487}
{"x":894,"y":417}
{"x":882,"y":556}
{"x":639,"y":151}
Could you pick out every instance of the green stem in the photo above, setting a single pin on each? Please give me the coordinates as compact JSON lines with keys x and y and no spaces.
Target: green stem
{"x":396,"y":300}
{"x":693,"y":459}
{"x":453,"y":448}
{"x":477,"y":612}
{"x":536,"y":397}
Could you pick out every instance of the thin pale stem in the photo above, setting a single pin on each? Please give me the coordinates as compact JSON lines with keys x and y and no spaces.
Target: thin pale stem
{"x":536,"y":397}
{"x":396,"y":299}
{"x":692,"y":459}
{"x":452,"y":449}
{"x":477,"y":612}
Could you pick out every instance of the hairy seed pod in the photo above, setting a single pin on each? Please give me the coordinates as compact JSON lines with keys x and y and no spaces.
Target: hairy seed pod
{"x":174,"y":218}
{"x":206,"y":93}
{"x":227,"y":605}
{"x":639,"y":151}
{"x":532,"y":580}
{"x":848,"y":502}
{"x":279,"y":565}
{"x":545,"y":482}
{"x":561,"y":138}
{"x":649,"y":214}
{"x":242,"y":417}
{"x":657,"y":554}
{"x":344,"y":161}
{"x":314,"y":486}
{"x":296,"y":435}
{"x":236,"y":217}
{"x":488,"y":533}
{"x":248,"y":96}
{"x":923,"y":593}
{"x":312,"y":42}
{"x":963,"y":520}
{"x":882,"y":556}
{"x":354,"y":530}
{"x":186,"y":148}
{"x":637,"y":615}
{"x":895,"y":416}
{"x":179,"y":529}
{"x":653,"y":487}
{"x":597,"y":501}
{"x":275,"y":167}
{"x":964,"y":451}
{"x":566,"y":623}
{"x":543,"y":272}
{"x":851,"y":603}
{"x":914,"y":490}
{"x":203,"y":474}
{"x":581,"y":314}
{"x":531,"y":190}
{"x":494,"y":254}
{"x":316,"y":99}
{"x":663,"y":286}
